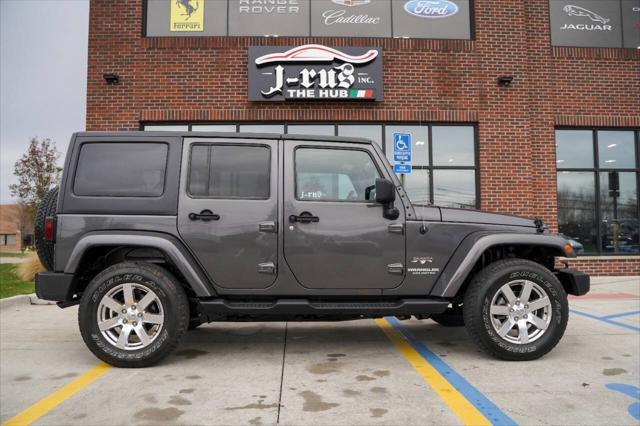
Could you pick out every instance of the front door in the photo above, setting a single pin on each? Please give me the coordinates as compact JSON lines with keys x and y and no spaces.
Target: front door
{"x":228,"y":209}
{"x":335,"y":236}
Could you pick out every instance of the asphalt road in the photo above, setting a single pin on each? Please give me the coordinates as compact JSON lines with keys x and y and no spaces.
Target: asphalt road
{"x":358,"y":372}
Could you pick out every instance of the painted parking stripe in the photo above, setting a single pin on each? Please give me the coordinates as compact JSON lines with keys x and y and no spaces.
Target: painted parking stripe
{"x":623,"y":314}
{"x":466,"y":402}
{"x":50,"y":402}
{"x":606,"y":320}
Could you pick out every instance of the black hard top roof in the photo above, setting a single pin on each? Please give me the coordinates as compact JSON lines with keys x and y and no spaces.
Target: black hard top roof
{"x":227,"y":135}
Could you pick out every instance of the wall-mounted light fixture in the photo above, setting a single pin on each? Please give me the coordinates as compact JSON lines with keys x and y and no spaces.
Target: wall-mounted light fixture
{"x":505,"y":80}
{"x":111,"y":78}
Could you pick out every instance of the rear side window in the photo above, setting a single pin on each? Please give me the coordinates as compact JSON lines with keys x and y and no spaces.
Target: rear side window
{"x":229,"y":171}
{"x":121,"y":170}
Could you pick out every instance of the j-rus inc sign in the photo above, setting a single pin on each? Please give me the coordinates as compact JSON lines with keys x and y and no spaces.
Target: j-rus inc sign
{"x":314,"y":72}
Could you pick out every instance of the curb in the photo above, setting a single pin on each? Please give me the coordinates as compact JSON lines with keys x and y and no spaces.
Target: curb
{"x":15,"y":301}
{"x":23,"y":300}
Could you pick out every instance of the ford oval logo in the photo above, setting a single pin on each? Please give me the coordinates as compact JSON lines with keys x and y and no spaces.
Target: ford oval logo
{"x":431,"y":8}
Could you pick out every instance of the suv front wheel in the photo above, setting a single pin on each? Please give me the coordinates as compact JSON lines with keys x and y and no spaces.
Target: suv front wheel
{"x":516,"y":310}
{"x":133,"y":314}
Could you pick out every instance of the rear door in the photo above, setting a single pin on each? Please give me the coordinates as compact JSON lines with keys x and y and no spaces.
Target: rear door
{"x":335,"y":236}
{"x":228,"y":209}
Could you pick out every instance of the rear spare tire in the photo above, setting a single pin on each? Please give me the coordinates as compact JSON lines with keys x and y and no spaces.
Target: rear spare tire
{"x":47,"y":208}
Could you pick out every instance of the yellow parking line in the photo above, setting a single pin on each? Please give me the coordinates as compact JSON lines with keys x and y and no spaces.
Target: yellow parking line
{"x":461,"y":407}
{"x":50,"y":402}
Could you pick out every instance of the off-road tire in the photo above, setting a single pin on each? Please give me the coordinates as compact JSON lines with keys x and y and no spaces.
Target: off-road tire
{"x":479,"y":296}
{"x":44,"y":248}
{"x":449,"y":318}
{"x":168,"y":290}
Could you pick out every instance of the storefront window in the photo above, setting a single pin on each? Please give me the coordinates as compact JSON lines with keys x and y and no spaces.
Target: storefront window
{"x":598,"y":205}
{"x":443,"y":158}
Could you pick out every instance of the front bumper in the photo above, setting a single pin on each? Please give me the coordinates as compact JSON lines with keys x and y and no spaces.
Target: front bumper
{"x":574,"y":282}
{"x":56,"y":286}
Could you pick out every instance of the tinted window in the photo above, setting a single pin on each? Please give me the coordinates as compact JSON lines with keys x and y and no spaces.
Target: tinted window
{"x":373,"y":132}
{"x":577,"y":209}
{"x":616,"y":150}
{"x":229,"y":171}
{"x":419,"y":141}
{"x":416,"y":185}
{"x":231,"y":128}
{"x":619,"y":215}
{"x":454,"y":188}
{"x":262,"y":128}
{"x":574,"y":149}
{"x":326,"y":130}
{"x":121,"y":169}
{"x":166,"y":127}
{"x":334,"y":175}
{"x":452,"y":146}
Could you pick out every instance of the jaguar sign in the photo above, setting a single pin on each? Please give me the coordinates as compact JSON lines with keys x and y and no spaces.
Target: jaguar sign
{"x":315,"y":72}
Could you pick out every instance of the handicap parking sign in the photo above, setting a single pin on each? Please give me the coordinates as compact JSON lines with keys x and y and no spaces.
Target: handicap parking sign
{"x":402,"y":147}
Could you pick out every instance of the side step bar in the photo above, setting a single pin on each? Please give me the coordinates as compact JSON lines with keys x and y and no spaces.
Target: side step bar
{"x":304,"y":308}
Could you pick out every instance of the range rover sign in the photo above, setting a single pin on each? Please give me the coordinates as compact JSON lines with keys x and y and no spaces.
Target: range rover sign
{"x":315,"y":72}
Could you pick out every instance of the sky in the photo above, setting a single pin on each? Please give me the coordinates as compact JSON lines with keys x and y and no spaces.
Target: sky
{"x":43,"y":77}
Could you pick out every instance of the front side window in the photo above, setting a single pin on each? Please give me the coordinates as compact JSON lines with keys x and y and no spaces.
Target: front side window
{"x":598,"y":174}
{"x":121,"y":169}
{"x":230,"y":171}
{"x":334,"y":175}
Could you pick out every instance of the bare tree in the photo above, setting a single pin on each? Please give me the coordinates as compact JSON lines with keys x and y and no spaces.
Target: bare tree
{"x":37,"y":171}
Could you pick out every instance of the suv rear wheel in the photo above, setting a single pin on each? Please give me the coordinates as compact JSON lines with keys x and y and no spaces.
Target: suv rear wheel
{"x":133,"y":314}
{"x":516,"y":310}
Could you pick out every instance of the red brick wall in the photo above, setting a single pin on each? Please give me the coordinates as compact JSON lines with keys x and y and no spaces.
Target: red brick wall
{"x":205,"y":79}
{"x":601,"y":266}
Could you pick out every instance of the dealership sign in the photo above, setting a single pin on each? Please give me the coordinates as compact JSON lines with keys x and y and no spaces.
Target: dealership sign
{"x":315,"y":72}
{"x":431,"y":8}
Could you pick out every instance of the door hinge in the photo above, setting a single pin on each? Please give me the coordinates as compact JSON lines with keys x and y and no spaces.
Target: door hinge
{"x":268,"y":227}
{"x":396,"y":228}
{"x":266,"y":268}
{"x":395,"y":268}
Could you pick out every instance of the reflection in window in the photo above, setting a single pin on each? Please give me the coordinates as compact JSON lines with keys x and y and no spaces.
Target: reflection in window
{"x":334,"y":175}
{"x":615,"y":149}
{"x":577,"y":209}
{"x":574,"y":149}
{"x":452,"y":145}
{"x":262,"y":128}
{"x":166,"y":127}
{"x":416,"y":185}
{"x":323,"y":130}
{"x":231,"y":128}
{"x":372,"y":132}
{"x":619,"y":212}
{"x":612,"y":169}
{"x":454,"y":188}
{"x":419,"y":142}
{"x":229,"y":171}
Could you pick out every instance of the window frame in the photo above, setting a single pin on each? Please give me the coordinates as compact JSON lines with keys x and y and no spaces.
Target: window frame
{"x":596,"y":170}
{"x":383,"y":142}
{"x":83,"y":144}
{"x":210,"y":145}
{"x":341,"y":148}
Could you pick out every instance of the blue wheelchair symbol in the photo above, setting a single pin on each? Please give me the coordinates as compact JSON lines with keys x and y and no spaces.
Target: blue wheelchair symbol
{"x":630,"y":391}
{"x":402,"y":142}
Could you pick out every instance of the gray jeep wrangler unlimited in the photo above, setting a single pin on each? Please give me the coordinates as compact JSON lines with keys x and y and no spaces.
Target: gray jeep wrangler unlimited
{"x":155,"y":233}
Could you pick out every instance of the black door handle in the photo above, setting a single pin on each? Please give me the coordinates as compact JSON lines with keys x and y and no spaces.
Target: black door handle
{"x":304,"y":217}
{"x":205,"y":215}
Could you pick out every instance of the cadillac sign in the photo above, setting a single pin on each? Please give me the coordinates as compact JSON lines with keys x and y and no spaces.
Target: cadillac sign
{"x":315,"y":72}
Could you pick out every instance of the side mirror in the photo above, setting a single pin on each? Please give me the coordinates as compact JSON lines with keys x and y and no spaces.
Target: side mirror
{"x":386,"y":195}
{"x":385,"y":191}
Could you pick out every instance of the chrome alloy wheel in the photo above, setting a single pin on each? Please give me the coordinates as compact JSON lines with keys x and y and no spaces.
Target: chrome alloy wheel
{"x":523,"y":318}
{"x":130,"y":316}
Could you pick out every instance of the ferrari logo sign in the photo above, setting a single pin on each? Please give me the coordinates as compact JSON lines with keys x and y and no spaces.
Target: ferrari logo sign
{"x":187,"y":15}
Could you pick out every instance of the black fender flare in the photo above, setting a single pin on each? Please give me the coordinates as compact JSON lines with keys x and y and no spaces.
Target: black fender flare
{"x":472,"y":247}
{"x":167,"y":244}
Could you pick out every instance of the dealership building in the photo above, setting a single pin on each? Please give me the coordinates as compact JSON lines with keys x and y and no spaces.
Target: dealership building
{"x":529,"y":107}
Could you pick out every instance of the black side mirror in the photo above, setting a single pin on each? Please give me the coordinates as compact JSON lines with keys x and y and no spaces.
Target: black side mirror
{"x":386,"y":195}
{"x":385,"y":191}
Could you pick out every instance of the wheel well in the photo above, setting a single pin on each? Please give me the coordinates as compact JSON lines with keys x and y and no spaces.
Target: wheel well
{"x":544,"y":255}
{"x":98,"y":258}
